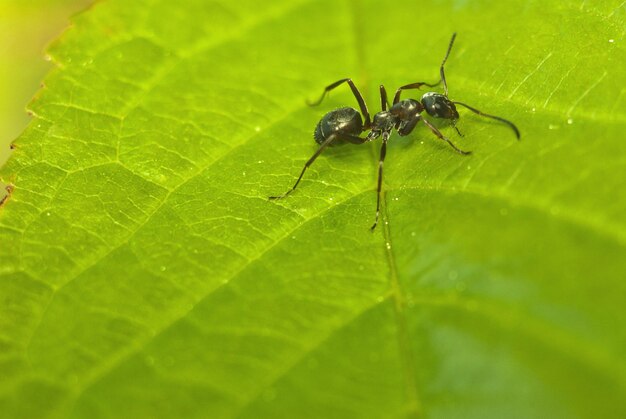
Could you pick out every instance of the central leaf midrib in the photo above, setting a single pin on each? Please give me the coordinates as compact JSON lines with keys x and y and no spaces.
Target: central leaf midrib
{"x":413,"y":407}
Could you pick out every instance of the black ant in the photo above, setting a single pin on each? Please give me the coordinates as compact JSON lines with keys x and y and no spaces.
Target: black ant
{"x":346,"y":125}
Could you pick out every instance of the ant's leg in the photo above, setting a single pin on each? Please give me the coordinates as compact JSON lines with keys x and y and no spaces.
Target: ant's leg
{"x":476,"y":111}
{"x":352,"y":139}
{"x":306,"y":166}
{"x":441,"y":72}
{"x":441,"y":136}
{"x":396,"y":97}
{"x":383,"y":153}
{"x":383,"y":98}
{"x":442,"y":77}
{"x":357,"y":95}
{"x":347,"y":137}
{"x":408,"y":126}
{"x":456,"y":128}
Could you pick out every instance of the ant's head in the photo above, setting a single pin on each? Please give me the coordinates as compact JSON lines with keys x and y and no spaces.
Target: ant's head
{"x":383,"y":123}
{"x":439,"y":106}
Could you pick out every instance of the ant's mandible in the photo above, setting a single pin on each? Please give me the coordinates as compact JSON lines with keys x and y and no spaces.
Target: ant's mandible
{"x":347,"y":125}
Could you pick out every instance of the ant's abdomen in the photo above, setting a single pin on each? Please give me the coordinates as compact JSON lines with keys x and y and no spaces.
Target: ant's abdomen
{"x":340,"y":121}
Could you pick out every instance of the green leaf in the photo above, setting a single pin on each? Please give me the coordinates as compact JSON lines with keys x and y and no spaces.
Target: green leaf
{"x":145,"y":274}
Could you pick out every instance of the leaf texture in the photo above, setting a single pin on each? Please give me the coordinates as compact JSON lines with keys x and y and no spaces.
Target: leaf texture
{"x":144,"y":273}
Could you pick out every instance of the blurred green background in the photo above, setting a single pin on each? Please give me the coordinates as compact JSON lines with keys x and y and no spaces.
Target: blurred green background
{"x":26,"y":27}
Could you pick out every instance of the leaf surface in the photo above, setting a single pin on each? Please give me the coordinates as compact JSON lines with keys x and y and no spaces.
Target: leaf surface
{"x":145,"y":273}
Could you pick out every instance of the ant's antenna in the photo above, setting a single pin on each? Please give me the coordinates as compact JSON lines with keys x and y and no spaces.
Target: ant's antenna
{"x":497,"y":118}
{"x":443,"y":76}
